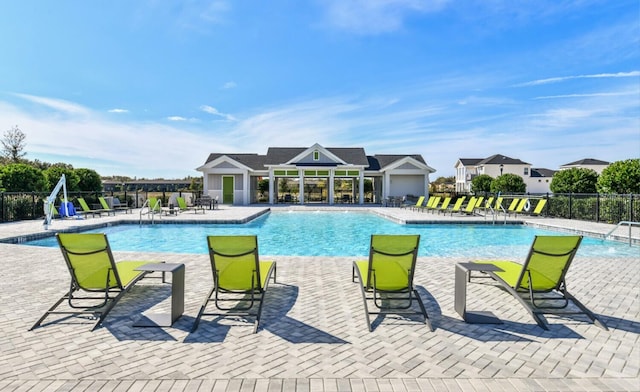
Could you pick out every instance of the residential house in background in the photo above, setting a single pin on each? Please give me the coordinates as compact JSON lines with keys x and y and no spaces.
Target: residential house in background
{"x":315,"y":174}
{"x":538,"y":180}
{"x":496,"y":165}
{"x":587,"y":163}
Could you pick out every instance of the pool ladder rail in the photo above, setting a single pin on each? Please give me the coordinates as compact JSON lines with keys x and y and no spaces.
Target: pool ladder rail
{"x":151,"y":211}
{"x":621,"y":223}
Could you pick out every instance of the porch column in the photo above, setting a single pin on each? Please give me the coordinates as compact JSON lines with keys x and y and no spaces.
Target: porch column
{"x":330,"y":187}
{"x":271,"y":184}
{"x":386,"y":187}
{"x":247,"y":188}
{"x":301,"y":186}
{"x":361,"y":196}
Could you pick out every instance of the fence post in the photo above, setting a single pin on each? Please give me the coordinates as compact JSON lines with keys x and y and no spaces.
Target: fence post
{"x":598,"y":207}
{"x":570,"y":205}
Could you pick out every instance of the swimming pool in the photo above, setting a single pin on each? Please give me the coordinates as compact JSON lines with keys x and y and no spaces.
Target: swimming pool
{"x":347,"y":233}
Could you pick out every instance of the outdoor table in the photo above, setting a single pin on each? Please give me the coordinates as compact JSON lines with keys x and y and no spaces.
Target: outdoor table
{"x":177,"y":296}
{"x":460,"y":299}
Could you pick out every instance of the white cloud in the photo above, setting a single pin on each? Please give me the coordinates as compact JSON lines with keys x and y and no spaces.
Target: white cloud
{"x":229,"y":85}
{"x":215,"y":112}
{"x":376,"y":16}
{"x":142,"y":149}
{"x":565,"y":78}
{"x":118,"y":111}
{"x":59,"y":105}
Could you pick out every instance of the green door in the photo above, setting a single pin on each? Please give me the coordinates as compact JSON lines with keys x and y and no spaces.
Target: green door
{"x":227,"y":190}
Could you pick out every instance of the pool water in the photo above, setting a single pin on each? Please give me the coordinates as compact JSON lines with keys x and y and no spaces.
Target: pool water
{"x":347,"y":233}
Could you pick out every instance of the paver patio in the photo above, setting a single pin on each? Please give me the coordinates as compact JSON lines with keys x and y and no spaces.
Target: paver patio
{"x":313,"y":336}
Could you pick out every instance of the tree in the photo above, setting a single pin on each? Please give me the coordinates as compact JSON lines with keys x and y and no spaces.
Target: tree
{"x":13,"y":144}
{"x":481,"y":183}
{"x":620,"y":177}
{"x":89,"y":180}
{"x":574,"y":180}
{"x":508,"y":183}
{"x":54,"y":172}
{"x":20,"y":177}
{"x":263,"y":186}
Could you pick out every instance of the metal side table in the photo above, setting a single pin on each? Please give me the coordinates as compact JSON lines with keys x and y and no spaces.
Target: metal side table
{"x":177,"y":296}
{"x":462,"y":278}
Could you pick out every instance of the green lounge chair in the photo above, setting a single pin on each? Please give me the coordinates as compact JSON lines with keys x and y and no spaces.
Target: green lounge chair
{"x":154,"y":206}
{"x":239,"y":277}
{"x":487,"y":205}
{"x":471,"y":205}
{"x":539,"y":207}
{"x":443,"y":206}
{"x":434,"y":203}
{"x":521,"y":206}
{"x":85,"y":208}
{"x":93,"y":270}
{"x":386,"y":278}
{"x":105,"y":206}
{"x":430,"y":201}
{"x":183,"y":207}
{"x":512,"y":207}
{"x":543,"y":272}
{"x":458,"y":205}
{"x":412,"y":206}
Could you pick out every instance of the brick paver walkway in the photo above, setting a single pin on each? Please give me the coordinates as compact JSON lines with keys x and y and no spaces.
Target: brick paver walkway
{"x":313,"y":335}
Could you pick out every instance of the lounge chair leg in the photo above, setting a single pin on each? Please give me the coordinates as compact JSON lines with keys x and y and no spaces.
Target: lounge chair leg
{"x":424,"y":311}
{"x":201,"y":312}
{"x":47,"y":313}
{"x":586,"y":311}
{"x":538,"y":318}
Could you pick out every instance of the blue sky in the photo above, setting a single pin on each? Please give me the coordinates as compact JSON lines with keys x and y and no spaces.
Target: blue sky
{"x":149,"y":88}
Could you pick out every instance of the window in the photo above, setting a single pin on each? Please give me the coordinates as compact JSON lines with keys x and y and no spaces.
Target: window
{"x":526,"y":171}
{"x":316,"y":155}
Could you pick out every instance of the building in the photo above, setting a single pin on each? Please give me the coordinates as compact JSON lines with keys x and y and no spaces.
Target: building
{"x":313,"y":174}
{"x":537,"y":180}
{"x":496,"y":165}
{"x":587,"y":163}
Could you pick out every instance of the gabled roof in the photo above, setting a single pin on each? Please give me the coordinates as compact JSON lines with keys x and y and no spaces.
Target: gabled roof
{"x":587,"y":161}
{"x":541,"y":172}
{"x":290,"y":155}
{"x":280,"y":155}
{"x":388,"y":159}
{"x":498,"y":159}
{"x":470,"y":161}
{"x":254,"y":161}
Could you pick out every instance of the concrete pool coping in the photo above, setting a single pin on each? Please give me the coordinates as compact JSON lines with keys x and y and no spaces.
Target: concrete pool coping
{"x":314,"y":335}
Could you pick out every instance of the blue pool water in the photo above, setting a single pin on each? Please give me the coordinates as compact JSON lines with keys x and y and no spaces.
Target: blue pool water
{"x":327,"y":233}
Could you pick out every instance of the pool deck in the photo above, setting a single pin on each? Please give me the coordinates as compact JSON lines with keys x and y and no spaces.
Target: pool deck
{"x":313,"y":335}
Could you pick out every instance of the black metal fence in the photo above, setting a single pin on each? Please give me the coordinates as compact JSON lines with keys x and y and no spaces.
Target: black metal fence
{"x":17,"y":206}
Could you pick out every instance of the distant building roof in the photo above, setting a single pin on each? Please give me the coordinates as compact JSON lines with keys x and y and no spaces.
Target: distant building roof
{"x":541,"y":172}
{"x":587,"y":161}
{"x":280,"y":155}
{"x":498,"y":159}
{"x":470,"y":161}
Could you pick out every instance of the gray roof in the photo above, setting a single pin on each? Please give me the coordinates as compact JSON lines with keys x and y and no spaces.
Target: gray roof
{"x":254,"y":161}
{"x":587,"y":161}
{"x":387,"y":159}
{"x":470,"y":161}
{"x":280,"y":155}
{"x":541,"y":172}
{"x":498,"y":159}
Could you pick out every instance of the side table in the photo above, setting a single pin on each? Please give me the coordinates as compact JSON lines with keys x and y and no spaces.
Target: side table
{"x":177,"y":296}
{"x":462,"y":277}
